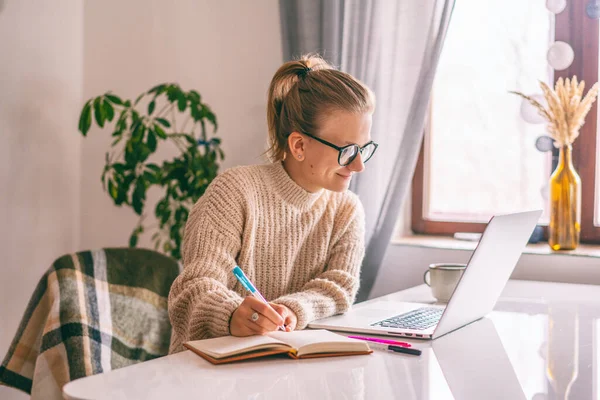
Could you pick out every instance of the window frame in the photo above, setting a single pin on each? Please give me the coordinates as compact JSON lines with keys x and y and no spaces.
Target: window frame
{"x":573,"y":26}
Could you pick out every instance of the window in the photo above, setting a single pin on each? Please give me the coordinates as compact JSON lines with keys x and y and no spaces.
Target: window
{"x":479,"y":156}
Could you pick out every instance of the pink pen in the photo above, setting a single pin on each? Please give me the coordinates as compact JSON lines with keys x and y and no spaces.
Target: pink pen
{"x":384,"y":341}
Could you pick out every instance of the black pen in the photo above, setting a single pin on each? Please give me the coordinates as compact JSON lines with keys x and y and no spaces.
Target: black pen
{"x":397,"y":349}
{"x":407,"y":350}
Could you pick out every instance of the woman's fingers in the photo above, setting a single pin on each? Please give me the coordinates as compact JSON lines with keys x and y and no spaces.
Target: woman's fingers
{"x":281,"y":310}
{"x":239,"y":324}
{"x":265,"y":309}
{"x":253,"y":329}
{"x":285,"y":314}
{"x":290,"y":322}
{"x":262,"y":324}
{"x":288,"y":315}
{"x":254,"y":317}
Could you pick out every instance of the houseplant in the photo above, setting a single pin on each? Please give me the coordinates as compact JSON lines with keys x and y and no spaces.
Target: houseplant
{"x":141,"y":126}
{"x":565,"y":114}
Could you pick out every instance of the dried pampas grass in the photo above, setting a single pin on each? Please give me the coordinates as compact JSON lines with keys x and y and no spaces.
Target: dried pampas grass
{"x":566,"y":109}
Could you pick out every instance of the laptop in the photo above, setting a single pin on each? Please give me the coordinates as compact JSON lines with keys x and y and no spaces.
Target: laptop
{"x":475,"y":295}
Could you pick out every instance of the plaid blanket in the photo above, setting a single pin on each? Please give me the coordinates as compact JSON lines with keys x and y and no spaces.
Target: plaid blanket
{"x":91,"y":312}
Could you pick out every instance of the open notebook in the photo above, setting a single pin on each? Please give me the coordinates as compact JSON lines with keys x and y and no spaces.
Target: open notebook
{"x":297,"y":344}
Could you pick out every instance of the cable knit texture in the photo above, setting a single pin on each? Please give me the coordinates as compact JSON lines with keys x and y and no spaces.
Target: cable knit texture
{"x":300,"y":249}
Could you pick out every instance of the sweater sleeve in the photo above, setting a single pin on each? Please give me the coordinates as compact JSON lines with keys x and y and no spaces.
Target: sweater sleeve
{"x":334,"y":290}
{"x":201,"y":301}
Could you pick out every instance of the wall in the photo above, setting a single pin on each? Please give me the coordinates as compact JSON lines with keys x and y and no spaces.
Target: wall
{"x":61,"y":53}
{"x":40,"y":90}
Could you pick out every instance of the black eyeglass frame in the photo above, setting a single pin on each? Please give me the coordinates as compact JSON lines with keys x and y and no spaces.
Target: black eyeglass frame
{"x":341,"y":149}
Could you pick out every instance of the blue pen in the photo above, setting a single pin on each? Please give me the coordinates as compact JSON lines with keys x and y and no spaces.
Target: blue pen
{"x":239,"y":274}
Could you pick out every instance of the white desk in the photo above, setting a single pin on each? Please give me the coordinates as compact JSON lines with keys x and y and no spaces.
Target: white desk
{"x":542,"y":338}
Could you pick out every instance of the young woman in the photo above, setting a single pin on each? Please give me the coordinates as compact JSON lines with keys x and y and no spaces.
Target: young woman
{"x":292,"y":225}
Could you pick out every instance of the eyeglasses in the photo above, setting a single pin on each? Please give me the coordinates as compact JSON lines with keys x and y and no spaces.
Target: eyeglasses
{"x":348,"y":153}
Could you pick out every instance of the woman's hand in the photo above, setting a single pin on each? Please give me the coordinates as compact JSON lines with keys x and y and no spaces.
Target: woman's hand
{"x":290,"y":319}
{"x":242,"y":324}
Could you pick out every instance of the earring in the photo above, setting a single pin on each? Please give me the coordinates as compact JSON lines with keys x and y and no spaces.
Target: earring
{"x":299,"y":156}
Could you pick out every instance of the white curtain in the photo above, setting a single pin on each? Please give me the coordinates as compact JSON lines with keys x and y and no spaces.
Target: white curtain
{"x":394,"y":47}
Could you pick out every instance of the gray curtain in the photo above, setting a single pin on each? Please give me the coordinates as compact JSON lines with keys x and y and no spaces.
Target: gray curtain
{"x":394,"y":47}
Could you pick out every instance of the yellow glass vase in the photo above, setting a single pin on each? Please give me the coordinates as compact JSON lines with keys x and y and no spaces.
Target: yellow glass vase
{"x":565,"y":203}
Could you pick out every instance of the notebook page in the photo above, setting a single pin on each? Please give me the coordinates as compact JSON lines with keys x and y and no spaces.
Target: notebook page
{"x":319,"y":341}
{"x":231,"y":345}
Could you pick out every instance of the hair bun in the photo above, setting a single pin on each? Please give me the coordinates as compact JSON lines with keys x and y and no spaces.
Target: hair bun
{"x":303,"y":72}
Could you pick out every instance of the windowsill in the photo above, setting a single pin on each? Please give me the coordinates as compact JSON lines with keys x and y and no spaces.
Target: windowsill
{"x":408,"y":257}
{"x":449,"y":243}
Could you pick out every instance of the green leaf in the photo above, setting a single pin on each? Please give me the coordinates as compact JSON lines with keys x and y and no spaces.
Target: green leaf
{"x":194,"y":96}
{"x":99,"y":112}
{"x":151,"y":141}
{"x":150,"y":177}
{"x":158,"y":89}
{"x":190,"y":139}
{"x":138,"y":133}
{"x":181,"y":101}
{"x":165,"y":216}
{"x":161,"y":207}
{"x":114,"y":99}
{"x":130,"y":155}
{"x":196,"y":114}
{"x":140,"y":187}
{"x":127,"y":184}
{"x":108,"y":110}
{"x":151,"y":107}
{"x":210,"y":116}
{"x":85,"y":120}
{"x":139,"y":98}
{"x":139,"y":195}
{"x":197,"y":165}
{"x":153,"y":167}
{"x":121,"y":123}
{"x":135,"y":117}
{"x":160,"y":132}
{"x":119,"y":167}
{"x":133,"y":239}
{"x":112,"y":189}
{"x":121,"y":196}
{"x":174,"y":231}
{"x":176,"y":253}
{"x":173,"y":92}
{"x":181,"y":214}
{"x":163,"y":122}
{"x":143,"y":152}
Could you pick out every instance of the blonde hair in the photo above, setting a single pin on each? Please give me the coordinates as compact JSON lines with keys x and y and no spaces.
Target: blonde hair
{"x":302,"y":92}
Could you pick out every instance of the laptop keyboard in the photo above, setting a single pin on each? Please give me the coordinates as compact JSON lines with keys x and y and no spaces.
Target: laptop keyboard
{"x":419,"y":319}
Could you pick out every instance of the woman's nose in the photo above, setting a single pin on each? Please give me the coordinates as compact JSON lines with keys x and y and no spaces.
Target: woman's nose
{"x":357,"y":164}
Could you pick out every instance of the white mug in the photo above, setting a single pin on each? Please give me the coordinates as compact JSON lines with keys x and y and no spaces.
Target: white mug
{"x":443,"y":278}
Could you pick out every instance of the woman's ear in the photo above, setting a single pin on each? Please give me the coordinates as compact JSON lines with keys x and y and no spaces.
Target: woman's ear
{"x":296,"y":145}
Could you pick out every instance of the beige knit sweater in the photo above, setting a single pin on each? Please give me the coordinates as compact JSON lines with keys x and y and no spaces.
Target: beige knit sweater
{"x":300,"y":249}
